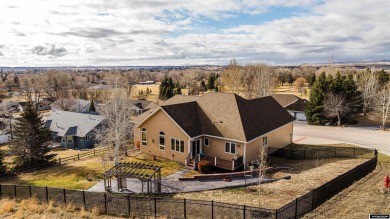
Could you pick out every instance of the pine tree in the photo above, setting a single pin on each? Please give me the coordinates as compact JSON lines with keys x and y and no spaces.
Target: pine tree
{"x":314,"y":108}
{"x":203,"y":85}
{"x":311,"y":79}
{"x":3,"y":169}
{"x":353,"y":95}
{"x":178,"y":88}
{"x":30,"y":140}
{"x":211,"y":82}
{"x":92,"y":107}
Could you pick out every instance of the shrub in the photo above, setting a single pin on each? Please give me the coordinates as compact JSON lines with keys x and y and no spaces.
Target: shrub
{"x":204,"y":166}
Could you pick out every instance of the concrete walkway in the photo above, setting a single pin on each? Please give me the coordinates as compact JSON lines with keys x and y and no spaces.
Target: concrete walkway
{"x":172,"y":184}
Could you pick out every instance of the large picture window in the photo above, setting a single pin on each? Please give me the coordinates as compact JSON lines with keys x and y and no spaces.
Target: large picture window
{"x":230,"y":148}
{"x":162,"y":141}
{"x":144,"y":137}
{"x":177,"y":145}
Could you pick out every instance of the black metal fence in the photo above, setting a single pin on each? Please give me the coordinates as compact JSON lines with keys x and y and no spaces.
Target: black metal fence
{"x":127,"y":205}
{"x":323,"y":152}
{"x":316,"y":197}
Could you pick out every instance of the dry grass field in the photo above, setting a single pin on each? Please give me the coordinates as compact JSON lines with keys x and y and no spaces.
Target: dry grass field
{"x":287,"y":89}
{"x":32,"y":209}
{"x":307,"y":175}
{"x":361,"y":199}
{"x":82,"y":174}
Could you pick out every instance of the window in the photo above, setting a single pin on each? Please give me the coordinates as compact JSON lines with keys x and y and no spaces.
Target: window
{"x":143,"y":137}
{"x":63,"y":139}
{"x":206,"y":142}
{"x":177,"y":145}
{"x":230,"y":148}
{"x":162,"y":141}
{"x":87,"y":137}
{"x":265,"y":140}
{"x":69,"y":139}
{"x":82,"y":139}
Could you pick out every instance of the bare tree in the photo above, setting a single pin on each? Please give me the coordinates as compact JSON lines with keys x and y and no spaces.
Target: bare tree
{"x":300,"y":84}
{"x":117,"y":126}
{"x":336,"y":105}
{"x":64,"y":103}
{"x":263,"y":156}
{"x":383,"y":104}
{"x":232,"y":77}
{"x":368,"y":86}
{"x":264,"y":78}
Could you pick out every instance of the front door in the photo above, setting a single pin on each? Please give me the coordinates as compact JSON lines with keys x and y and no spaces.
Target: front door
{"x":195,"y":147}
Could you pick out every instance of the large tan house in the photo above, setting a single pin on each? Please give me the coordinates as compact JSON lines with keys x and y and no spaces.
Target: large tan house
{"x":223,"y":128}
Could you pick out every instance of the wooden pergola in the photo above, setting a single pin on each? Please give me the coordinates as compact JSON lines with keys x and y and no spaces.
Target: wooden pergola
{"x":149,"y":174}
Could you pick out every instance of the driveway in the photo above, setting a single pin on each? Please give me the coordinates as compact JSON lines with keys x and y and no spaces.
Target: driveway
{"x":366,"y":136}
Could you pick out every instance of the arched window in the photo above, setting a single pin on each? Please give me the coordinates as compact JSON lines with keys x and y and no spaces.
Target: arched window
{"x":144,"y":137}
{"x":162,"y":141}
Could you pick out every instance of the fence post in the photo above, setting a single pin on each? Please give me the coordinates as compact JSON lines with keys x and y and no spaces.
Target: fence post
{"x":64,"y":196}
{"x":212,"y":209}
{"x":59,"y":160}
{"x":128,"y":205}
{"x":15,"y":191}
{"x":85,"y":204}
{"x":304,"y":154}
{"x":296,"y":207}
{"x":155,"y":206}
{"x":29,"y":188}
{"x":47,"y":195}
{"x":185,"y":209}
{"x":78,"y":156}
{"x":105,"y":203}
{"x":244,"y":212}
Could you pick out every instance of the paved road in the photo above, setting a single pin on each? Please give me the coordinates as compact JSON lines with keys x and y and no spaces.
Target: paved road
{"x":366,"y":136}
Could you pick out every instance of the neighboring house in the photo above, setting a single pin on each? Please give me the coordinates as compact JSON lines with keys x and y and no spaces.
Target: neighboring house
{"x":73,"y":130}
{"x":44,"y":105}
{"x":294,"y":105}
{"x":140,"y":106}
{"x":72,"y":105}
{"x":223,"y":128}
{"x":9,"y":106}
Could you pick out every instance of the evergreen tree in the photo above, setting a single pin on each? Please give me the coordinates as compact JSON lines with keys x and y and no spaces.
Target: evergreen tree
{"x":3,"y":169}
{"x":203,"y":85}
{"x":383,"y":77}
{"x":336,"y":84}
{"x":211,"y":82}
{"x":311,"y":79}
{"x":30,"y":140}
{"x":92,"y":107}
{"x":353,"y":95}
{"x":178,"y":88}
{"x":314,"y":108}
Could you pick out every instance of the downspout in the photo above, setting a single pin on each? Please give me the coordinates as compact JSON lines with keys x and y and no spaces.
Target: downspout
{"x":244,"y":159}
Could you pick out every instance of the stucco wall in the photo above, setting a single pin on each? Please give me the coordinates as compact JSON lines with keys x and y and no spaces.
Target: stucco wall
{"x":160,"y":122}
{"x":276,"y":139}
{"x":216,"y":148}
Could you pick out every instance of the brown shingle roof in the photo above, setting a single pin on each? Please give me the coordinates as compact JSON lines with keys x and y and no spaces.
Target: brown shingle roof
{"x":226,"y":115}
{"x":285,"y":99}
{"x":290,"y":101}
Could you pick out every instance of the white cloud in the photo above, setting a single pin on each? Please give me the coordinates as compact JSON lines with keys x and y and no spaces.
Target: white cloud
{"x":157,"y":32}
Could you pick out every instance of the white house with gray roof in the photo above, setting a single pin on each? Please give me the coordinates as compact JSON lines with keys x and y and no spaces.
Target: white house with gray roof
{"x":73,"y":130}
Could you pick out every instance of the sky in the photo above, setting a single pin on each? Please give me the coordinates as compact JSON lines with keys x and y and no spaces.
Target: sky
{"x":192,"y":32}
